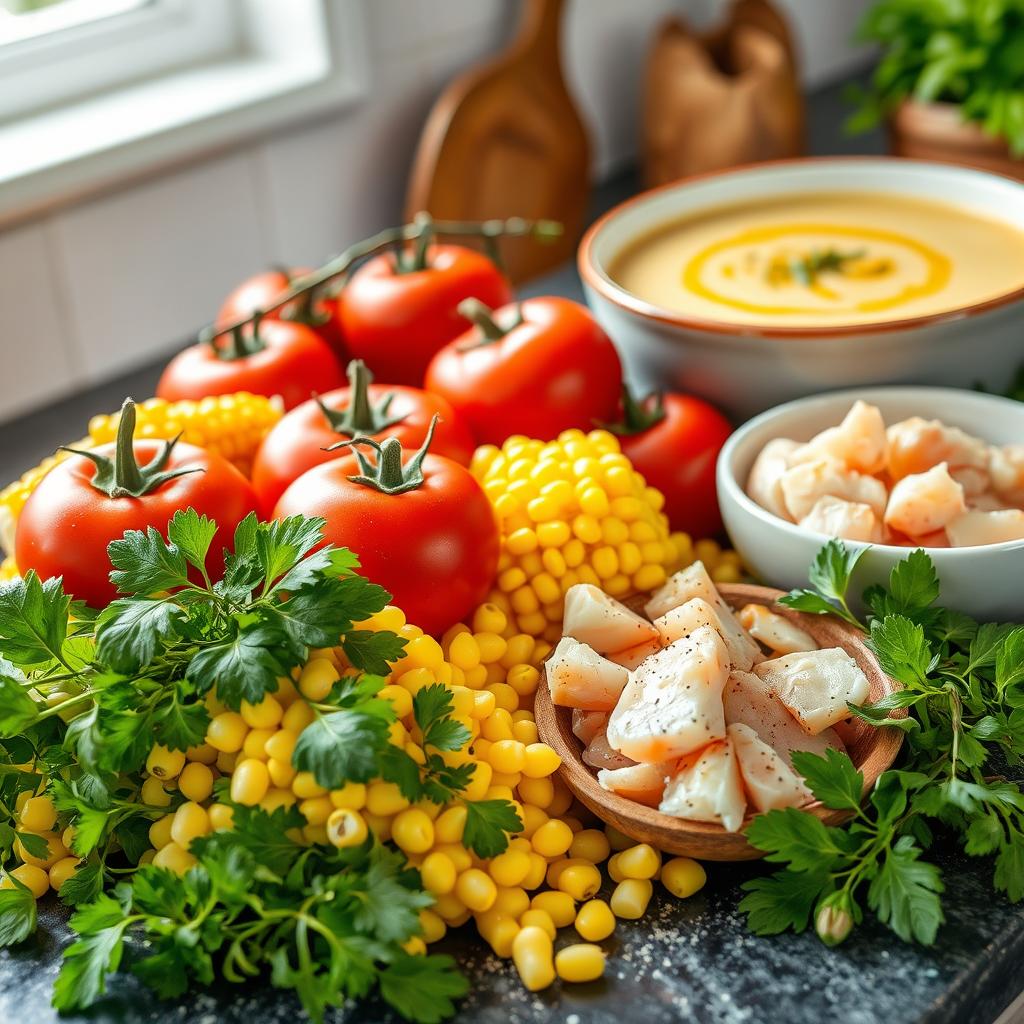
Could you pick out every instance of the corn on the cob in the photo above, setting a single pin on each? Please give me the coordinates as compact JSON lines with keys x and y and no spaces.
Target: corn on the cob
{"x":574,"y":510}
{"x":230,"y":425}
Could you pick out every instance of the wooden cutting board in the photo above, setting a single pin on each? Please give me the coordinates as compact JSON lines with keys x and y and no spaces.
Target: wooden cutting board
{"x":505,"y":140}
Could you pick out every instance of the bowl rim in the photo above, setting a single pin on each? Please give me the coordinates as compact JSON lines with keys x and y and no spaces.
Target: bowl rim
{"x":728,"y":846}
{"x":608,"y":289}
{"x":727,"y":481}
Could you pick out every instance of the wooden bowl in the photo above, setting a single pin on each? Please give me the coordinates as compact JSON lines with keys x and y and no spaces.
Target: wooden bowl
{"x":871,"y":750}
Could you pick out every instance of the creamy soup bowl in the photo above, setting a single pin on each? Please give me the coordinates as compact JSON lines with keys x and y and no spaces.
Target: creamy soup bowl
{"x":747,"y":368}
{"x":986,"y":582}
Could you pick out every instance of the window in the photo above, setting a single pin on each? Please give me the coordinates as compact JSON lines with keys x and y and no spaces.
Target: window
{"x":95,"y":90}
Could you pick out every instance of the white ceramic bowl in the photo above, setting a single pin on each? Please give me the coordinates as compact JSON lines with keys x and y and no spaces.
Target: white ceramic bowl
{"x":985,"y":582}
{"x":745,"y":369}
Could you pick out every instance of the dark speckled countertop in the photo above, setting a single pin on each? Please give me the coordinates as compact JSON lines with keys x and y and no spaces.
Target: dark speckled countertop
{"x":691,"y":960}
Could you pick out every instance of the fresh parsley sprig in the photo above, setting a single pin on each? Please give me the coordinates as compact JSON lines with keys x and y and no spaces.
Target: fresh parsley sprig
{"x":963,"y":688}
{"x":327,"y":923}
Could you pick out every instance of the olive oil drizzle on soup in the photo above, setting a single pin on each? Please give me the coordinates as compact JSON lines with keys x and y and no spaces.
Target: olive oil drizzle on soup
{"x":824,"y":259}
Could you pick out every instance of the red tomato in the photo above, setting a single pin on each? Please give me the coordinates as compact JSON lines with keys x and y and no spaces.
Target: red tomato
{"x":396,"y":320}
{"x":297,"y":441}
{"x":68,"y":520}
{"x":294,"y":362}
{"x":537,"y":369}
{"x":434,"y":547}
{"x":260,"y":290}
{"x":674,"y":441}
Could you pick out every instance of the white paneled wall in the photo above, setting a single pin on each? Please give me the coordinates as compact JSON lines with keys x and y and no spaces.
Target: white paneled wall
{"x":97,"y":288}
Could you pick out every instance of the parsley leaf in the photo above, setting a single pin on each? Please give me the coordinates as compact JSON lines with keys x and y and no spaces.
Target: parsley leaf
{"x":146,"y":564}
{"x":487,"y":822}
{"x":344,"y":745}
{"x":901,"y":648}
{"x":372,"y":652}
{"x":33,"y":620}
{"x":832,"y":779}
{"x":905,"y":893}
{"x":245,"y":665}
{"x":421,"y":988}
{"x":794,"y":836}
{"x":17,"y":913}
{"x":192,"y":534}
{"x":131,"y":631}
{"x":18,"y":710}
{"x":784,"y":900}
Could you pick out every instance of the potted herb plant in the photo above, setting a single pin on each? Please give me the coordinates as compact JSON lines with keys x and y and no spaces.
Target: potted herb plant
{"x":950,"y":82}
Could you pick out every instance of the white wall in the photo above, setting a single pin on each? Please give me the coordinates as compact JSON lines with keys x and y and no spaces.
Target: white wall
{"x":91,"y":290}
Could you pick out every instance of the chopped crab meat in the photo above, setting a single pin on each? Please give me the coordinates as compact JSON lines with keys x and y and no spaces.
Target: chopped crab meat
{"x":978,"y":527}
{"x":858,"y":442}
{"x":749,"y":700}
{"x":916,"y":444}
{"x":925,"y":502}
{"x":633,"y":657}
{"x":765,"y":474}
{"x":598,"y":754}
{"x":587,"y":724}
{"x":578,"y":677}
{"x":851,"y":520}
{"x":693,"y":582}
{"x":1006,"y":466}
{"x":816,"y":686}
{"x":643,"y":783}
{"x":708,"y":787}
{"x":682,"y":621}
{"x":805,"y":483}
{"x":601,"y":622}
{"x":768,"y":780}
{"x":672,"y":703}
{"x":775,"y":631}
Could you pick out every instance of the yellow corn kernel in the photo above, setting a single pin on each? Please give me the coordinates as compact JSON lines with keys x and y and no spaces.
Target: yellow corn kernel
{"x":164,"y":763}
{"x":595,"y":921}
{"x":538,"y":919}
{"x":538,"y":792}
{"x":346,"y":827}
{"x":282,"y":773}
{"x":630,"y":898}
{"x":250,"y":782}
{"x":450,"y":824}
{"x":256,"y":742}
{"x":190,"y":821}
{"x":160,"y":831}
{"x":222,"y":817}
{"x":552,"y":839}
{"x":511,"y":901}
{"x":580,"y":881}
{"x":532,"y":954}
{"x":535,"y":876}
{"x":580,"y":962}
{"x":432,"y":926}
{"x":498,"y":930}
{"x":265,"y":715}
{"x":281,"y":745}
{"x":297,"y":717}
{"x":196,"y":781}
{"x":476,"y":890}
{"x":523,"y":679}
{"x":175,"y":858}
{"x":484,"y":705}
{"x":509,"y":868}
{"x":33,"y":877}
{"x":640,"y":861}
{"x":682,"y":876}
{"x":204,"y":754}
{"x":304,"y":786}
{"x":613,"y":869}
{"x":560,"y":802}
{"x":413,"y":831}
{"x":352,"y":795}
{"x":590,"y":844}
{"x":438,"y":873}
{"x":559,"y":906}
{"x":507,"y":756}
{"x":540,"y":761}
{"x":618,"y":840}
{"x":38,"y":814}
{"x":226,"y":732}
{"x":62,"y":871}
{"x":480,"y":782}
{"x":316,"y":810}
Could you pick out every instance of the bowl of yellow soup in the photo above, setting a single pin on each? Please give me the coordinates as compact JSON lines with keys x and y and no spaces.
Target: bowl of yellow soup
{"x":758,"y":285}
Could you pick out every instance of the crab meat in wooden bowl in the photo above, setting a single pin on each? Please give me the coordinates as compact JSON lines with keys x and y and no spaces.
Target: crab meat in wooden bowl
{"x":676,"y":717}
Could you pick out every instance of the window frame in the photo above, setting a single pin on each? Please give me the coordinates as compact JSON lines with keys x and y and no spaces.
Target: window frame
{"x":276,"y":63}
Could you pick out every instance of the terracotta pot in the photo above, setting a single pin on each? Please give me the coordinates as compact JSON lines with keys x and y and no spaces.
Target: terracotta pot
{"x":937,"y":131}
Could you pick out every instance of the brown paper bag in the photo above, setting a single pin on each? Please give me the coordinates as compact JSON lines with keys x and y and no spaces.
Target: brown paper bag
{"x":717,"y":99}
